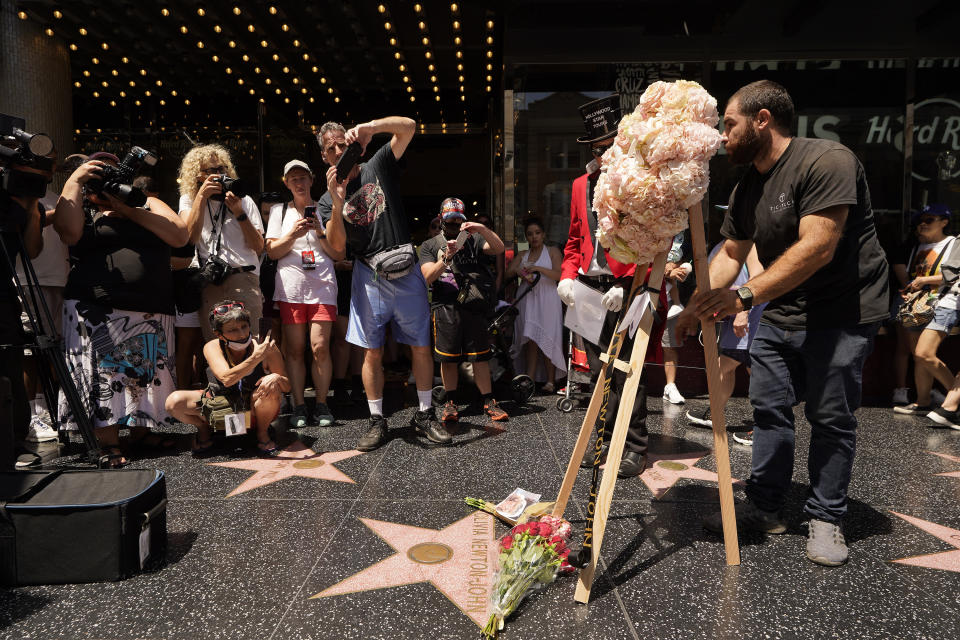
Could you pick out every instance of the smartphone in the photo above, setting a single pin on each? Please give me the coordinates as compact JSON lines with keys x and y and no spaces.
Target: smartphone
{"x":348,"y":160}
{"x":310,"y":212}
{"x":462,"y":239}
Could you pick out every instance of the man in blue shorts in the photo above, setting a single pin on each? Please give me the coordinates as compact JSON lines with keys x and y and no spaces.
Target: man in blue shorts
{"x":365,"y":211}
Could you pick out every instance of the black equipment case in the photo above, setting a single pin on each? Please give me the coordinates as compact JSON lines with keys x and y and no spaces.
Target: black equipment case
{"x":69,"y":526}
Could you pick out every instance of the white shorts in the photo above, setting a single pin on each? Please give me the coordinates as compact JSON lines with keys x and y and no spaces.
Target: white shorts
{"x":187,"y":320}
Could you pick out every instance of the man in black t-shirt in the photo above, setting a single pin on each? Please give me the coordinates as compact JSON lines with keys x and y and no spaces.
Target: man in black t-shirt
{"x":463,"y":294}
{"x":365,"y":212}
{"x":805,"y":205}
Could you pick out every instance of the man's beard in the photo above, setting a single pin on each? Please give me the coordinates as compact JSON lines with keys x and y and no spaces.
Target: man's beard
{"x":747,"y":148}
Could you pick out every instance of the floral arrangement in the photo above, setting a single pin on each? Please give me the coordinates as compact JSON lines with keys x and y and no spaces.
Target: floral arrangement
{"x":530,"y":557}
{"x":656,"y":169}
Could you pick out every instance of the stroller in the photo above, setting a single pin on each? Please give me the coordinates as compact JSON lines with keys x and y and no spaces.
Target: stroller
{"x":520,"y":387}
{"x":578,"y":375}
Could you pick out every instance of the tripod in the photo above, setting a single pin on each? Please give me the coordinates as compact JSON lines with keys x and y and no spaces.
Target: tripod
{"x":49,"y":348}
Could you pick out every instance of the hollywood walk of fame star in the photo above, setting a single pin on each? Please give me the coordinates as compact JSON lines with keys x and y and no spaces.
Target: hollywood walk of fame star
{"x":946,"y":560}
{"x":949,"y":474}
{"x":459,"y":560}
{"x":664,"y":469}
{"x":295,"y":460}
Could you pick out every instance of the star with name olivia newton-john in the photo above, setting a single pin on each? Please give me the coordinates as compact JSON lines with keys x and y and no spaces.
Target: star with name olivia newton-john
{"x":945,"y":560}
{"x":949,"y":474}
{"x":459,"y":560}
{"x":664,"y":469}
{"x":295,"y":460}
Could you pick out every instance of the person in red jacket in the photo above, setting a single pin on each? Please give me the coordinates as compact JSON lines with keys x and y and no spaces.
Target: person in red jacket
{"x":585,"y":260}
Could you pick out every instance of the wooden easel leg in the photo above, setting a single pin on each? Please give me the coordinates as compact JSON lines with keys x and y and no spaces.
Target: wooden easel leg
{"x":628,"y":398}
{"x":711,"y":358}
{"x":593,"y":410}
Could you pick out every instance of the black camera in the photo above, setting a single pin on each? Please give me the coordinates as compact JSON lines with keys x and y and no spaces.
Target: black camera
{"x":22,"y":150}
{"x":116,"y":180}
{"x":214,"y":271}
{"x":234,"y":185}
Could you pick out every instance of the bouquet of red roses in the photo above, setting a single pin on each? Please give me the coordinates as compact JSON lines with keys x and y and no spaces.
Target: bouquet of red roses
{"x":531,"y":555}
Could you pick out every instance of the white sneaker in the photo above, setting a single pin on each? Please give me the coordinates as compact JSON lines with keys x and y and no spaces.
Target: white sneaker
{"x":671,"y":394}
{"x":40,"y":431}
{"x":900,"y":396}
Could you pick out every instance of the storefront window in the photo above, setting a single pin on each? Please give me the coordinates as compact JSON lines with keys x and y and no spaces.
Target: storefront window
{"x":936,"y":149}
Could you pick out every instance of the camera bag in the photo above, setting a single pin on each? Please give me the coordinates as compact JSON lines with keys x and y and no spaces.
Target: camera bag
{"x":394,"y":262}
{"x":70,"y":526}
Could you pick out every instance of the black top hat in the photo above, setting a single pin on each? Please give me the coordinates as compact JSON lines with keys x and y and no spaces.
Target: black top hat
{"x":601,"y":118}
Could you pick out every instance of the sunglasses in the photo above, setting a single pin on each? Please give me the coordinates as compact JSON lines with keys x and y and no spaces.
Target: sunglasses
{"x":928,"y":220}
{"x":226,"y":308}
{"x":210,"y":170}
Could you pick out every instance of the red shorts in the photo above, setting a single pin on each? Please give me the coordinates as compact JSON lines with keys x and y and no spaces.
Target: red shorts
{"x":295,"y":313}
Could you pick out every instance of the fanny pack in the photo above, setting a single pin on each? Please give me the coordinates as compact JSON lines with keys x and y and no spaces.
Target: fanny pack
{"x":394,"y":262}
{"x":215,"y":409}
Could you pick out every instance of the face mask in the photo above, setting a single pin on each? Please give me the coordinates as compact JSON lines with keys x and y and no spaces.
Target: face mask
{"x":239,"y":344}
{"x":592,"y":166}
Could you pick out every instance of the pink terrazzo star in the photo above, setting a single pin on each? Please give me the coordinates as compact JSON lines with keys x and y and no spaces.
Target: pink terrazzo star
{"x":459,"y":560}
{"x":663,"y":471}
{"x":945,"y":560}
{"x":295,"y":460}
{"x":949,"y":474}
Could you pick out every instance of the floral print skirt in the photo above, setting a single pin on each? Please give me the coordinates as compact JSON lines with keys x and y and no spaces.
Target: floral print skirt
{"x":122,"y":363}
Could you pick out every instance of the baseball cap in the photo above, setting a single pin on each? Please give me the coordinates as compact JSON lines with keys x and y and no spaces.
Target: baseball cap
{"x":295,"y":164}
{"x":452,"y":209}
{"x":933,"y":209}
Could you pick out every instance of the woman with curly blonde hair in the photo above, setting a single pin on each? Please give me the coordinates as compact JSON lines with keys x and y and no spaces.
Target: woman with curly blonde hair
{"x":226,"y":229}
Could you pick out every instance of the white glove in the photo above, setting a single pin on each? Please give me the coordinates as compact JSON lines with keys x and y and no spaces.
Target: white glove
{"x":565,"y":291}
{"x":613,"y":300}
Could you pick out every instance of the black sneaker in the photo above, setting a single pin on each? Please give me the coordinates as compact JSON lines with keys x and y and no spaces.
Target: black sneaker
{"x":701,"y":417}
{"x":375,"y":436}
{"x":425,"y":423}
{"x":322,"y":416}
{"x":945,"y":417}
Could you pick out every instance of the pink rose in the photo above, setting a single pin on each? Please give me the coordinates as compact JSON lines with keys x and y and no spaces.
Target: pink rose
{"x":506,"y":543}
{"x":544,"y":529}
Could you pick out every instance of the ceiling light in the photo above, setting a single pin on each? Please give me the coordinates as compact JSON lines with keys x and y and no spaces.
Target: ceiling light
{"x":123,"y":94}
{"x":143,"y":72}
{"x":22,"y":15}
{"x":273,"y":12}
{"x":96,"y":94}
{"x":268,"y":81}
{"x":187,"y":102}
{"x":183,"y":28}
{"x":83,"y":31}
{"x":236,"y":11}
{"x":457,"y":41}
{"x":303,"y":90}
{"x":285,"y":27}
{"x":159,"y":83}
{"x":215,"y":58}
{"x":256,"y":69}
{"x":329,"y":89}
{"x":296,"y":43}
{"x":147,"y":93}
{"x":489,"y":67}
{"x":426,"y":41}
{"x":422,"y":25}
{"x":489,"y":78}
{"x":381,"y":8}
{"x":296,"y":81}
{"x":73,"y":47}
{"x":489,"y":54}
{"x":323,"y":80}
{"x":286,"y":69}
{"x":456,"y":25}
{"x":489,"y":39}
{"x":489,"y":24}
{"x":232,"y":44}
{"x":454,"y":7}
{"x":409,"y":89}
{"x":437,"y":98}
{"x":95,"y":60}
{"x":463,"y":98}
{"x":311,"y":99}
{"x":387,"y":26}
{"x":393,"y":42}
{"x":413,"y":98}
{"x":251,"y":28}
{"x":431,"y":67}
{"x":459,"y":54}
{"x":201,"y":12}
{"x":403,"y":67}
{"x":199,"y":44}
{"x":406,"y":78}
{"x":418,"y":8}
{"x":57,"y":15}
{"x":239,"y":80}
{"x":246,"y":58}
{"x":315,"y":69}
{"x":217,"y":28}
{"x":436,"y":89}
{"x":396,"y":54}
{"x":264,"y":43}
{"x":277,"y":91}
{"x":433,"y":79}
{"x":86,"y":74}
{"x":336,"y":99}
{"x":173,"y":93}
{"x":252,"y":91}
{"x":488,"y":88}
{"x":113,"y":103}
{"x":459,"y":66}
{"x":460,"y":78}
{"x":427,"y":55}
{"x":228,"y":70}
{"x":104,"y":84}
{"x":306,"y":57}
{"x":48,"y":31}
{"x":275,"y":57}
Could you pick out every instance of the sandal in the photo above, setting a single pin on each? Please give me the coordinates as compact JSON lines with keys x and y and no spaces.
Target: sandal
{"x":111,"y":457}
{"x":272,"y":452}
{"x":203,"y":449}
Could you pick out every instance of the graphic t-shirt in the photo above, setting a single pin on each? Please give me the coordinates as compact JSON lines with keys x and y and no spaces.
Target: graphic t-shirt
{"x":373,"y":211}
{"x":925,"y":258}
{"x":812,"y":175}
{"x":470,"y":259}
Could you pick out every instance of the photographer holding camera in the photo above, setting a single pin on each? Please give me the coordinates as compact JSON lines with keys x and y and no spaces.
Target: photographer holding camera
{"x":118,"y":302}
{"x":224,"y":223}
{"x":24,"y":175}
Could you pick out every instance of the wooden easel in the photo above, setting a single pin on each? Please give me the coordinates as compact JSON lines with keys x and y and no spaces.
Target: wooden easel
{"x":628,"y":397}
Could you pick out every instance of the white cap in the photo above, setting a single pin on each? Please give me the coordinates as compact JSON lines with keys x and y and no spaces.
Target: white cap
{"x":294,"y":164}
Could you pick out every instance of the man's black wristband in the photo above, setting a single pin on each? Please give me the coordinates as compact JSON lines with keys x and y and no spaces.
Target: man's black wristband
{"x":241,"y":217}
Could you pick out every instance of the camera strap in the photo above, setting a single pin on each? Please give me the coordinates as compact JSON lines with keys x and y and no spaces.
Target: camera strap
{"x":216,"y":228}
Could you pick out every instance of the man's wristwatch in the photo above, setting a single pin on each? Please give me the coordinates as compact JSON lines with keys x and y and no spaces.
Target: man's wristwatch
{"x":241,"y":217}
{"x":746,"y":298}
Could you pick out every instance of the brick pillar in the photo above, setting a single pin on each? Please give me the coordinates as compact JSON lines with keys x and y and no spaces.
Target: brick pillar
{"x":35,"y":78}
